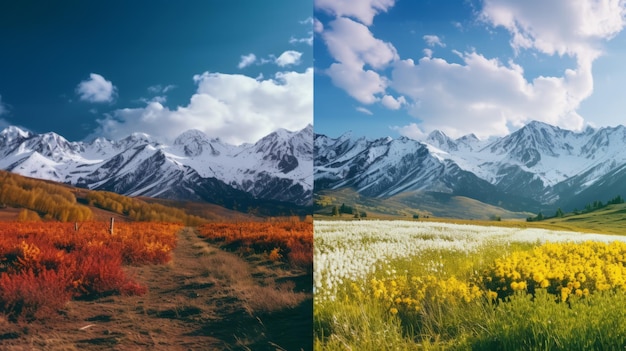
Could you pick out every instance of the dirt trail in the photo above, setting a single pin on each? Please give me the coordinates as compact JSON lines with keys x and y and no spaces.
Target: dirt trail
{"x":204,"y":299}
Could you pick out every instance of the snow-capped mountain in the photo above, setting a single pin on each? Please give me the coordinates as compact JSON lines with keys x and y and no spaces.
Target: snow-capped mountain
{"x":538,"y":163}
{"x":278,"y":167}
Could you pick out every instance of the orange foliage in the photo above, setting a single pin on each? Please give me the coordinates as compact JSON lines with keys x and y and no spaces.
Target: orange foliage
{"x":51,"y":200}
{"x":139,"y":210}
{"x":43,"y":265}
{"x":290,"y":241}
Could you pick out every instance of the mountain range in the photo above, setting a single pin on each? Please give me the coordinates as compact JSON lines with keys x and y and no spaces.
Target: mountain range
{"x":275,"y":170}
{"x":538,"y":167}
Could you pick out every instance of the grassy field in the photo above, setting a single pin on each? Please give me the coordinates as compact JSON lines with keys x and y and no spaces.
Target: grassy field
{"x":403,"y":285}
{"x":405,"y":205}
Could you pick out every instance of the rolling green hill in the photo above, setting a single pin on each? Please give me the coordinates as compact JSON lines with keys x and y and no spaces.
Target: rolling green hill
{"x":408,"y":204}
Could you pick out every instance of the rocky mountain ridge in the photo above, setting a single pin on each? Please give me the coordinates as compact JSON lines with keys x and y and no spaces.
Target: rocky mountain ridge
{"x":537,"y":166}
{"x":278,"y":167}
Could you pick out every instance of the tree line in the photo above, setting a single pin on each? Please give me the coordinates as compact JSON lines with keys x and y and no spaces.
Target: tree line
{"x":40,"y":199}
{"x":589,"y":207}
{"x":138,"y":210}
{"x":345,"y":209}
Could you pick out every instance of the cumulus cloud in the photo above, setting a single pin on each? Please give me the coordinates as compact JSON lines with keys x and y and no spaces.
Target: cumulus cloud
{"x":352,"y":43}
{"x":558,"y":26}
{"x":486,"y":96}
{"x":234,"y":107}
{"x":361,"y":10}
{"x":354,"y":48}
{"x":318,"y":27}
{"x":289,"y":57}
{"x":392,"y":103}
{"x":480,"y":94}
{"x":96,"y":89}
{"x":363,"y":85}
{"x":433,"y":40}
{"x":246,"y":60}
{"x":364,"y":110}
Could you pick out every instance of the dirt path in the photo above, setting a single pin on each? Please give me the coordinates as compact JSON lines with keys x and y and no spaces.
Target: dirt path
{"x":204,"y":299}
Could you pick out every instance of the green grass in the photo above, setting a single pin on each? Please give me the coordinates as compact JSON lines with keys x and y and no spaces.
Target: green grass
{"x":610,"y":219}
{"x":407,"y":204}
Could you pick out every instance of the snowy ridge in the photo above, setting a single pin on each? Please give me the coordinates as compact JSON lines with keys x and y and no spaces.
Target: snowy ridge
{"x":277,"y":167}
{"x":539,"y":162}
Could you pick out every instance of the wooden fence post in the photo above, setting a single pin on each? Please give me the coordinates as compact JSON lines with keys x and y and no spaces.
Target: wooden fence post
{"x":111,"y":228}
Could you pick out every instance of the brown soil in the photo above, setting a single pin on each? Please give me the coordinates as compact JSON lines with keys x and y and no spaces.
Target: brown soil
{"x":204,"y":299}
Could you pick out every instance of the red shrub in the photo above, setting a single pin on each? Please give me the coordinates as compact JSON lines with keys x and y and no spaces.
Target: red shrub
{"x":28,"y":296}
{"x":293,"y":238}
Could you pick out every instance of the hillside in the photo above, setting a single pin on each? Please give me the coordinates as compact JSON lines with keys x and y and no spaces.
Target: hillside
{"x":35,"y":199}
{"x":408,"y":204}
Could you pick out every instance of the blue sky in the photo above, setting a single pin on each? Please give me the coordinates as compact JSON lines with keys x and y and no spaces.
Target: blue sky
{"x":404,"y":67}
{"x":234,"y":69}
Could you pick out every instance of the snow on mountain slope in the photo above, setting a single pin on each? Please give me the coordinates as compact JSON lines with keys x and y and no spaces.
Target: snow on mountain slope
{"x":277,"y":167}
{"x":539,"y":162}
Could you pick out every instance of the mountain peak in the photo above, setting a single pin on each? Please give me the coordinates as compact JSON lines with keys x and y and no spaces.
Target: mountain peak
{"x":12,"y":133}
{"x":191,"y":169}
{"x":440,"y":140}
{"x":191,"y":134}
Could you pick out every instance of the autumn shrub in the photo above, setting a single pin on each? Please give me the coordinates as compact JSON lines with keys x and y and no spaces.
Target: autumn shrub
{"x":28,"y":296}
{"x":292,"y":239}
{"x":42,"y":265}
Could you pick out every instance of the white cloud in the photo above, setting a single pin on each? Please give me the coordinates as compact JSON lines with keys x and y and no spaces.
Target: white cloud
{"x":486,"y":97}
{"x":96,"y":89}
{"x":246,"y":60}
{"x":289,"y":57}
{"x":362,"y":10}
{"x":358,"y":83}
{"x":364,"y":110}
{"x":234,"y":107}
{"x":411,"y":130}
{"x":160,"y":89}
{"x":352,"y":43}
{"x":559,"y":27}
{"x":433,"y":40}
{"x":159,"y":98}
{"x":309,"y":38}
{"x":306,"y":40}
{"x":354,"y":47}
{"x":392,"y":103}
{"x":481,"y":95}
{"x":318,"y":27}
{"x":307,"y":21}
